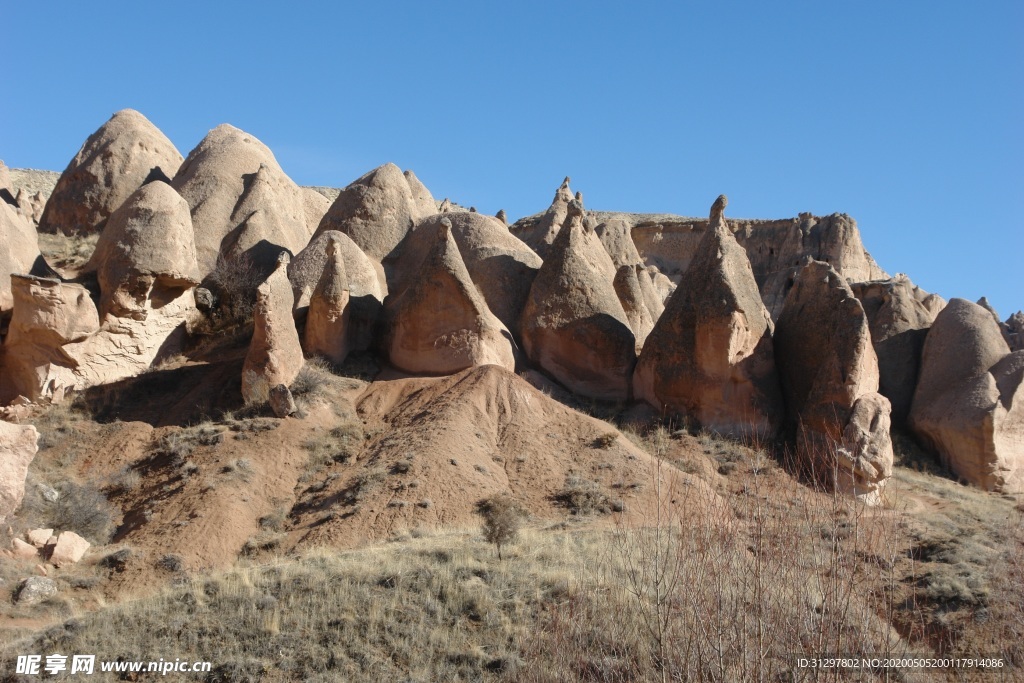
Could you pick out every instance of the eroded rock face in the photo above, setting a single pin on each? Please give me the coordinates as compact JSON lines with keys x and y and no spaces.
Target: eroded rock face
{"x":710,"y":356}
{"x":573,"y":325}
{"x":19,"y":253}
{"x":275,"y":354}
{"x":123,"y":154}
{"x":540,"y":235}
{"x":441,"y":324}
{"x":829,"y":375}
{"x":241,"y":201}
{"x":30,"y":205}
{"x":1013,"y":331}
{"x":969,"y":402}
{"x":18,"y":447}
{"x":327,"y":324}
{"x":316,"y":206}
{"x":899,"y":318}
{"x":631,"y":296}
{"x":378,"y":209}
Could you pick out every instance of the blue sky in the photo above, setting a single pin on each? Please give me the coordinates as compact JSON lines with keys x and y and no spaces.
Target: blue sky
{"x":907,"y":115}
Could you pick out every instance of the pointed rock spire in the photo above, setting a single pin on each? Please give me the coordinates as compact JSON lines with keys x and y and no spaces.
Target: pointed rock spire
{"x":327,"y":325}
{"x":275,"y":354}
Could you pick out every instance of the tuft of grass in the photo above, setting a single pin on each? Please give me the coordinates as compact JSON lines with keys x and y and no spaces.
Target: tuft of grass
{"x":584,"y":497}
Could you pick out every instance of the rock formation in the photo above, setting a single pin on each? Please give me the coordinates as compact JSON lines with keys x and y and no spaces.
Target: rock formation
{"x":573,"y":325}
{"x":899,"y":318}
{"x":969,"y":402}
{"x":241,"y":201}
{"x":1013,"y":331}
{"x":18,"y":447}
{"x":631,"y":296}
{"x":19,"y":253}
{"x":327,"y":324}
{"x":441,"y":324}
{"x":275,"y":354}
{"x":710,"y":356}
{"x":315,"y":206}
{"x":829,"y":376}
{"x":540,"y":235}
{"x":378,"y":209}
{"x":617,"y":240}
{"x":69,"y":549}
{"x":120,"y":157}
{"x":30,"y":205}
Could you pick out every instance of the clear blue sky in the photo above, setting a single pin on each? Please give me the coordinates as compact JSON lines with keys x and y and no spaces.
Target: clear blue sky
{"x":907,"y":115}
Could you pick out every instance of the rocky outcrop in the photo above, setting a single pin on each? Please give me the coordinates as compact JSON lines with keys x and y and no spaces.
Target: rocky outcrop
{"x":573,"y":325}
{"x":441,"y":324}
{"x":631,"y":296}
{"x":615,"y":235}
{"x":19,"y":253}
{"x":499,"y":264}
{"x":378,"y":209}
{"x":969,"y":402}
{"x":30,"y":205}
{"x":899,"y":318}
{"x":710,"y":355}
{"x":316,"y":206}
{"x":327,"y":324}
{"x":829,"y":376}
{"x":539,"y":233}
{"x":241,"y":201}
{"x":1013,"y":331}
{"x":275,"y":354}
{"x":120,"y":157}
{"x":18,"y":447}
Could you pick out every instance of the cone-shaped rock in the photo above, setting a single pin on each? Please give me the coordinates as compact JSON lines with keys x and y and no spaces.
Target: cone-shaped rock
{"x":540,"y":234}
{"x":316,"y":206}
{"x":378,"y":209}
{"x":829,"y":378}
{"x":275,"y":354}
{"x":710,"y":356}
{"x":441,"y":324}
{"x":652,"y":297}
{"x":969,"y":402}
{"x":327,"y":324}
{"x":631,"y":296}
{"x":1013,"y":331}
{"x":617,"y":239}
{"x":573,"y":325}
{"x":19,"y":253}
{"x":240,"y":199}
{"x":500,"y":265}
{"x":126,"y":152}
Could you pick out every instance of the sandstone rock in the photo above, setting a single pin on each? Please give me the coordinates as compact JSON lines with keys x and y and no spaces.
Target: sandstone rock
{"x":378,"y":209}
{"x":30,"y":205}
{"x":631,"y":296}
{"x":653,"y":297}
{"x":70,"y":548}
{"x":35,"y":589}
{"x":502,"y":216}
{"x":984,"y":303}
{"x":446,"y":206}
{"x":499,"y":264}
{"x":829,"y":375}
{"x":441,"y":324}
{"x":1013,"y":331}
{"x":573,"y":325}
{"x":120,"y":157}
{"x":328,"y":322}
{"x":710,"y":355}
{"x":23,"y":551}
{"x":18,"y":446}
{"x":899,"y":321}
{"x":39,"y":537}
{"x":281,"y":401}
{"x":540,"y":235}
{"x":275,"y":354}
{"x":5,"y":183}
{"x":241,"y":201}
{"x":969,"y":401}
{"x":616,"y":237}
{"x":20,"y":250}
{"x":316,"y":206}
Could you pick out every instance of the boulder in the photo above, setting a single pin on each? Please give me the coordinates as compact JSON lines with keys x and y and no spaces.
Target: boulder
{"x":20,"y":251}
{"x":35,"y":589}
{"x":441,"y":324}
{"x":275,"y":354}
{"x":125,"y":153}
{"x":969,"y":401}
{"x":573,"y":325}
{"x":710,"y":358}
{"x":281,"y":401}
{"x":18,"y":446}
{"x":378,"y":209}
{"x":328,"y":321}
{"x":540,"y":234}
{"x":70,"y":548}
{"x":829,"y":375}
{"x":24,"y":551}
{"x":898,"y":319}
{"x":39,"y":537}
{"x":241,"y":200}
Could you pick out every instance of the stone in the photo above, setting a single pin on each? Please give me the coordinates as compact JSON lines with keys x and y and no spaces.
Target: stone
{"x":616,"y":237}
{"x":125,"y":153}
{"x":18,"y":447}
{"x":39,"y":537}
{"x":830,"y":377}
{"x":631,"y":296}
{"x":441,"y":324}
{"x":573,"y":325}
{"x":1013,"y":331}
{"x":30,"y":205}
{"x":378,"y":209}
{"x":275,"y":354}
{"x":70,"y":548}
{"x":316,"y":206}
{"x":969,"y":401}
{"x":541,"y":234}
{"x":328,"y":321}
{"x":35,"y":589}
{"x":20,"y":252}
{"x":281,"y":401}
{"x":24,"y":551}
{"x":710,"y":357}
{"x":502,"y":216}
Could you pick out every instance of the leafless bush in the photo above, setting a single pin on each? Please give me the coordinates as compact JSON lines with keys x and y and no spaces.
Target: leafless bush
{"x":234,"y":281}
{"x":81,"y":508}
{"x":502,"y":519}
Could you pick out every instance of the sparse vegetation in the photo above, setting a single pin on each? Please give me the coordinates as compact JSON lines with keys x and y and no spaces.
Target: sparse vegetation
{"x":502,"y":519}
{"x":584,"y":497}
{"x":69,"y":506}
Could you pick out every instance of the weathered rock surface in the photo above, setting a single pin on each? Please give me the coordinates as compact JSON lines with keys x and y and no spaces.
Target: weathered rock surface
{"x":23,"y":551}
{"x":631,"y":296}
{"x":316,"y":206}
{"x":40,"y":537}
{"x":378,"y":209}
{"x":275,"y":354}
{"x":441,"y":324}
{"x":70,"y":549}
{"x":328,"y":322}
{"x":969,"y":402}
{"x":120,"y":157}
{"x":19,"y":253}
{"x":18,"y":447}
{"x":710,"y":356}
{"x":1013,"y":331}
{"x":281,"y":401}
{"x":573,"y":325}
{"x":615,"y":235}
{"x":899,"y":319}
{"x":829,"y":375}
{"x":240,"y":199}
{"x":540,"y":233}
{"x":30,"y":205}
{"x":35,"y":589}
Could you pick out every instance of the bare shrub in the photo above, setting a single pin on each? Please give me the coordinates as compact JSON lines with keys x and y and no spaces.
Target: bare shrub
{"x":583,"y":497}
{"x":234,"y":281}
{"x":81,"y":508}
{"x":502,"y":519}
